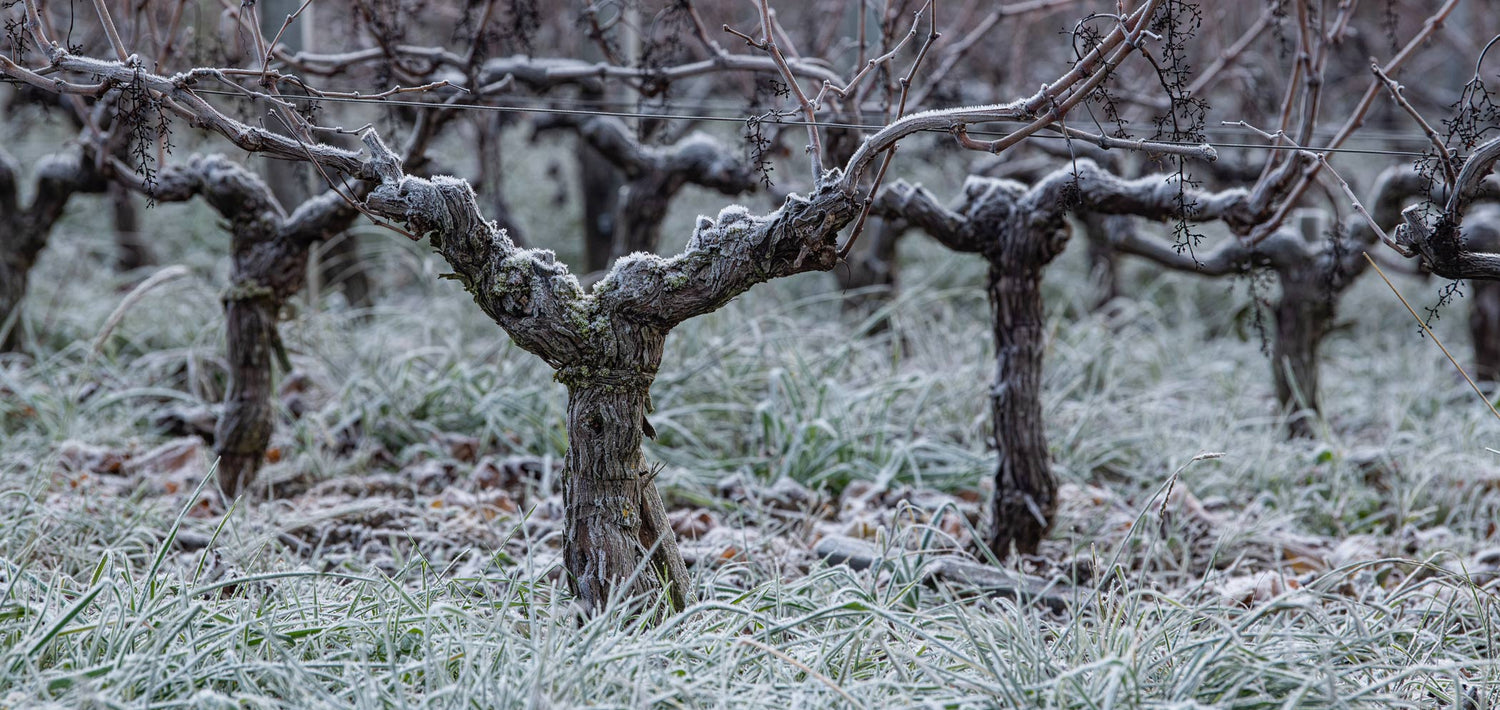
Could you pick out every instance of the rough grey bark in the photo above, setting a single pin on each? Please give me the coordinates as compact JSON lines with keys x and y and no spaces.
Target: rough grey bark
{"x":24,"y":229}
{"x":1097,"y":228}
{"x":269,"y":252}
{"x":606,"y":345}
{"x":1025,"y":490}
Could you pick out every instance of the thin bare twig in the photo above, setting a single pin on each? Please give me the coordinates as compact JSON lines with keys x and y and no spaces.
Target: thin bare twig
{"x":885,"y":162}
{"x":843,"y":91}
{"x":1445,"y":158}
{"x":265,"y":59}
{"x":1356,"y":119}
{"x":1123,"y":40}
{"x":110,"y":31}
{"x":170,"y":38}
{"x":349,"y":199}
{"x":768,"y":44}
{"x":1080,"y":80}
{"x":957,"y":50}
{"x":1359,"y":207}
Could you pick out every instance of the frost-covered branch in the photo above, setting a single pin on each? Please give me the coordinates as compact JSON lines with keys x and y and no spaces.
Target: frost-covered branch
{"x":725,"y":257}
{"x":178,"y":97}
{"x":1309,"y":170}
{"x":919,"y":208}
{"x":1044,"y":108}
{"x":540,"y":73}
{"x":697,"y":158}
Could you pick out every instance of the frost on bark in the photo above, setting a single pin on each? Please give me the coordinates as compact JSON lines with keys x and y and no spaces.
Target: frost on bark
{"x":24,"y":229}
{"x":1434,"y":234}
{"x":606,"y":345}
{"x":269,"y":251}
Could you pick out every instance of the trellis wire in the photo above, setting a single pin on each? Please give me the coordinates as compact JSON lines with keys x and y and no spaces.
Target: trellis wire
{"x":776,"y":120}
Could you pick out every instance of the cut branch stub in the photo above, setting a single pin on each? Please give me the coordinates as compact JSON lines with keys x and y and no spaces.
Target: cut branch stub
{"x":1440,"y":244}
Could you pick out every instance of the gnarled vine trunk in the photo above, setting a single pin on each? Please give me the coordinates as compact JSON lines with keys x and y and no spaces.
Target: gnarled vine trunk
{"x":269,"y":252}
{"x":1025,"y":495}
{"x":617,"y":524}
{"x":1021,"y":229}
{"x":606,"y":344}
{"x":243,"y":432}
{"x":131,"y":250}
{"x":617,"y":528}
{"x":15,"y":268}
{"x":1303,"y":315}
